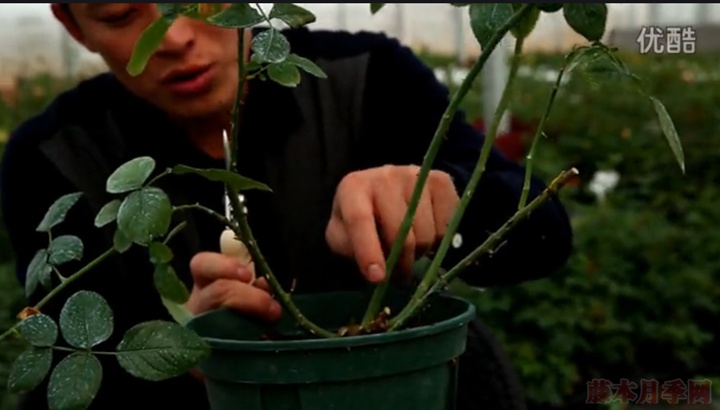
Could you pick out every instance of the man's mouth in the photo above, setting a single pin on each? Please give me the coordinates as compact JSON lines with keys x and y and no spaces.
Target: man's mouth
{"x":190,"y":80}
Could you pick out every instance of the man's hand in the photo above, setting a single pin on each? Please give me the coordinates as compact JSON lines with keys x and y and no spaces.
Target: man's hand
{"x":223,"y":281}
{"x":368,"y":210}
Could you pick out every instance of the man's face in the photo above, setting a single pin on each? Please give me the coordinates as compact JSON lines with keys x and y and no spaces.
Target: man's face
{"x":193,"y":73}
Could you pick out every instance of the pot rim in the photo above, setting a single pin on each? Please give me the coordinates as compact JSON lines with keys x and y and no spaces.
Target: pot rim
{"x":456,"y":321}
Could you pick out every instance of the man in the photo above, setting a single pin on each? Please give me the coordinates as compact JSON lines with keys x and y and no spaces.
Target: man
{"x":337,"y":152}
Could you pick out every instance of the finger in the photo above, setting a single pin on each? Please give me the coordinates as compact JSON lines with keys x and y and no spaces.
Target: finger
{"x":263,"y":284}
{"x":391,"y":207}
{"x":238,"y":296}
{"x":444,"y":198}
{"x":358,"y":220}
{"x":207,"y":267}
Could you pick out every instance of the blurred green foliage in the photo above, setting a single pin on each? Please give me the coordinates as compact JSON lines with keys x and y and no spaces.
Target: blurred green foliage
{"x":638,"y":297}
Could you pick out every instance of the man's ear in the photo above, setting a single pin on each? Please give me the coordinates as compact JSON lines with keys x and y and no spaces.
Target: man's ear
{"x":64,"y":16}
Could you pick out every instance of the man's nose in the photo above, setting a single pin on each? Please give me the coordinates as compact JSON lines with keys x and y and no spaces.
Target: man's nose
{"x":179,"y":38}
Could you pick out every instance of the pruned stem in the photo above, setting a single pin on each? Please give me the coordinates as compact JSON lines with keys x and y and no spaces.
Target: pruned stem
{"x":243,"y":231}
{"x":375,"y":305}
{"x":536,"y":138}
{"x":486,"y":248}
{"x":431,"y":276}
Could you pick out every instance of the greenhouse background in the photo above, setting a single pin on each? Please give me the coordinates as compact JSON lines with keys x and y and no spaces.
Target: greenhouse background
{"x":639,"y":298}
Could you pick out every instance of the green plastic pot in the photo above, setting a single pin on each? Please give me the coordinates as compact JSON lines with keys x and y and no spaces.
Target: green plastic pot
{"x":411,"y":369}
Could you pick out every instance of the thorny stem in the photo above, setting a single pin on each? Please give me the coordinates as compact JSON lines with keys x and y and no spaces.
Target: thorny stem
{"x":242,"y":229}
{"x":63,"y":284}
{"x":536,"y":138}
{"x":376,"y":301}
{"x":431,"y":276}
{"x":206,"y":210}
{"x":486,"y":248}
{"x":239,"y":100}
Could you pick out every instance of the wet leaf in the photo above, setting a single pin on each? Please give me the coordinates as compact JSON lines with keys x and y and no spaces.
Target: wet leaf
{"x":271,"y":46}
{"x":168,"y":285}
{"x":587,"y":19}
{"x":487,"y":18}
{"x":130,"y":175}
{"x":29,"y":369}
{"x":159,"y":350}
{"x":234,"y":179}
{"x":670,"y":132}
{"x":39,"y":271}
{"x":108,"y":213}
{"x":121,"y":242}
{"x":375,"y":7}
{"x":150,"y":40}
{"x":526,"y":25}
{"x":145,"y":214}
{"x":236,"y":16}
{"x":306,"y":65}
{"x":64,"y":249}
{"x":160,"y":253}
{"x":86,"y":320}
{"x":39,"y":330}
{"x":58,"y":211}
{"x":74,"y":382}
{"x":285,"y":74}
{"x":291,"y":14}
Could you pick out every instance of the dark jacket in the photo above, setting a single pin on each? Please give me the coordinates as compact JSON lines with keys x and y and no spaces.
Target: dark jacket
{"x":380,"y":105}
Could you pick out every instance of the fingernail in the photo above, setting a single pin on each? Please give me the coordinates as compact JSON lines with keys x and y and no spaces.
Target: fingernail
{"x":376,"y":273}
{"x":244,"y":274}
{"x":275,"y":310}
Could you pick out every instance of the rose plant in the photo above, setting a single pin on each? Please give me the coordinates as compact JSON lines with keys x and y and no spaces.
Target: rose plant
{"x":158,"y":350}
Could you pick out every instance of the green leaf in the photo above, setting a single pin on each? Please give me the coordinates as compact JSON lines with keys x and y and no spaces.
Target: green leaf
{"x":271,"y":46}
{"x":150,"y":40}
{"x":487,"y":18}
{"x":39,"y":271}
{"x":291,"y":14}
{"x":121,"y":242}
{"x":285,"y":74}
{"x":145,"y":214}
{"x":375,"y":7}
{"x":671,"y":134}
{"x":549,"y":7}
{"x":168,"y":285}
{"x":178,"y":311}
{"x":234,"y":179}
{"x":58,"y":211}
{"x":172,"y":11}
{"x":108,"y":213}
{"x":160,"y":253}
{"x":236,"y":16}
{"x":74,"y":382}
{"x":29,"y":369}
{"x":159,"y":350}
{"x":526,"y":25}
{"x":130,"y":175}
{"x":64,"y":249}
{"x":86,"y":320}
{"x":587,"y":19}
{"x":307,"y":65}
{"x":39,"y":330}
